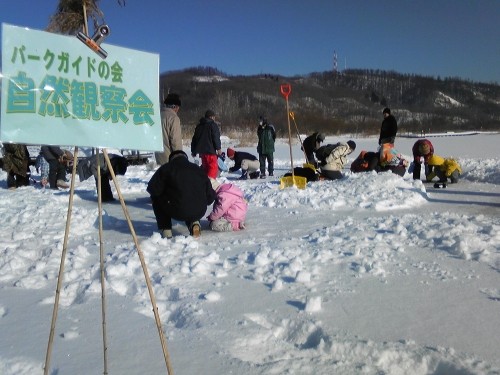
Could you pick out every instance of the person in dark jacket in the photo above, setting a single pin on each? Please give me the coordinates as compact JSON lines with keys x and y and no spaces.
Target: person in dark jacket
{"x":388,"y":129}
{"x":16,"y":164}
{"x":245,"y":161}
{"x":422,"y":149}
{"x":311,"y":144}
{"x":180,"y":190}
{"x":206,"y":143}
{"x":58,"y":160}
{"x":265,"y":148}
{"x":88,"y":167}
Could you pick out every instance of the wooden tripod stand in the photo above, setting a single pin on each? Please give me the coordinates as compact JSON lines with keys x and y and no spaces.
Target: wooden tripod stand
{"x":102,"y":277}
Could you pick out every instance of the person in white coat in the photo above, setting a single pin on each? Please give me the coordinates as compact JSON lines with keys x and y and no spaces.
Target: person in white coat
{"x":332,"y":159}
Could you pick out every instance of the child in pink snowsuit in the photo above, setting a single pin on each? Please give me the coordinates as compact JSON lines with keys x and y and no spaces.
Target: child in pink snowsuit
{"x":229,"y":210}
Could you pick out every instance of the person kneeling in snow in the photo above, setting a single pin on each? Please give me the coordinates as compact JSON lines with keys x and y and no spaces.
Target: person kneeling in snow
{"x":444,"y":169}
{"x":180,"y":190}
{"x":88,"y":167}
{"x":391,"y":160}
{"x":332,"y":159}
{"x":365,"y":162}
{"x":247,"y":162}
{"x":229,"y":210}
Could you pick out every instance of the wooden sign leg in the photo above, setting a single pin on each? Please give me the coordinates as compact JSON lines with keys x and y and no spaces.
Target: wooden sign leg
{"x":144,"y":267}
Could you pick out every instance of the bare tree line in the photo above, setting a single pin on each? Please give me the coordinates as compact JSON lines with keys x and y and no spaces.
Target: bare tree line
{"x":334,"y":103}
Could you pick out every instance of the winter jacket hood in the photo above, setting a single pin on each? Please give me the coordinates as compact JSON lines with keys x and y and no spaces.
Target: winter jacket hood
{"x":422,"y":148}
{"x":446,"y":165}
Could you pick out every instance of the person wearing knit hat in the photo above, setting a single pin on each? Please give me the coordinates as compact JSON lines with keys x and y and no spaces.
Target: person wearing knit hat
{"x":422,"y":148}
{"x":245,"y":161}
{"x":388,"y":129}
{"x":206,"y":143}
{"x":172,"y":100}
{"x":230,"y":153}
{"x":170,"y":127}
{"x":332,"y":158}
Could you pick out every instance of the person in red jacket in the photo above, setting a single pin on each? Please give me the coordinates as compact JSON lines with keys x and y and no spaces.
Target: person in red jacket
{"x":421,"y":149}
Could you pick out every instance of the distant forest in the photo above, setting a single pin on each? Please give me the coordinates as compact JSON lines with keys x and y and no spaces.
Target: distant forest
{"x":348,"y":102}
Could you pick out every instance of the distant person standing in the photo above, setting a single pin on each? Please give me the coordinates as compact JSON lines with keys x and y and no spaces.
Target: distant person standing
{"x":206,"y":142}
{"x":388,"y":129}
{"x":265,"y":148}
{"x":171,"y":128}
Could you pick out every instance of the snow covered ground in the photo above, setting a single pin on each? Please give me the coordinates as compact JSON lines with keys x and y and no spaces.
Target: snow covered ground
{"x":371,"y":274}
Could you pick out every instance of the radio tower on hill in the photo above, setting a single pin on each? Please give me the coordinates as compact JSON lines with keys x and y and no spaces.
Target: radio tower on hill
{"x":335,"y":66}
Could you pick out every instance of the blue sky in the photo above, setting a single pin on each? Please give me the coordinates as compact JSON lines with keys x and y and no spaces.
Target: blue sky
{"x":445,"y":38}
